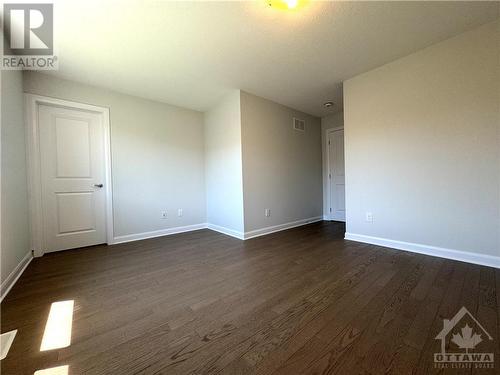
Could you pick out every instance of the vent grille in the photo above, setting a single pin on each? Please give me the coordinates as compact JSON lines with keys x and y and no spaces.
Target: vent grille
{"x":299,"y":125}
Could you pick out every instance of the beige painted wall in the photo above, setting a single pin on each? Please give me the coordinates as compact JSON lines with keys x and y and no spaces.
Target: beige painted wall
{"x":281,"y":166}
{"x":334,"y":121}
{"x":223,"y":165}
{"x":15,"y":238}
{"x":157,"y":155}
{"x":423,"y":146}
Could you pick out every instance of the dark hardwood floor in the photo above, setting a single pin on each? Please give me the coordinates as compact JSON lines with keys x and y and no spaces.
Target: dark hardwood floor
{"x":302,"y":301}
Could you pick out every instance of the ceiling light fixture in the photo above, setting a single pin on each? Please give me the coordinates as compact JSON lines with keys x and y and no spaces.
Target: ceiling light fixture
{"x":286,"y":4}
{"x":328,"y":104}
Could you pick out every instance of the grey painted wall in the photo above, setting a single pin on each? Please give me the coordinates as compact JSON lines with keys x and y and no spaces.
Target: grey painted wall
{"x":157,"y":155}
{"x":423,"y":146}
{"x":281,"y":166}
{"x":223,"y":165}
{"x":245,"y":147}
{"x":15,"y":238}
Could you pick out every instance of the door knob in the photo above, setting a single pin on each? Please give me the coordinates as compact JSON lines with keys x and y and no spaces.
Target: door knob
{"x":98,"y":185}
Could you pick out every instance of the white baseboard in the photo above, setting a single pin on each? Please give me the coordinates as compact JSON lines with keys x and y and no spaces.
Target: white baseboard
{"x":278,"y":228}
{"x":463,"y":256}
{"x":224,"y":230}
{"x":328,"y":218}
{"x":230,"y":232}
{"x":157,"y":233}
{"x":15,"y":275}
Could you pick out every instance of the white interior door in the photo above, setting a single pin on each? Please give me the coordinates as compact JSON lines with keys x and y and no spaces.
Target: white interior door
{"x":72,"y":162}
{"x":337,"y":175}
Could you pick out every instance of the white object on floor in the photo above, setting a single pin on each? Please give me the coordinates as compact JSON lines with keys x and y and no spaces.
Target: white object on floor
{"x":6,"y":340}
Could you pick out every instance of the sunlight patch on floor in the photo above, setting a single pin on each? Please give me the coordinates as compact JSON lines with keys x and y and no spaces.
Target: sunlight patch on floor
{"x":57,"y":332}
{"x":59,"y":370}
{"x":6,"y":340}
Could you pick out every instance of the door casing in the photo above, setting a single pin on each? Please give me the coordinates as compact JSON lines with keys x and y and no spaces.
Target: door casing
{"x":32,"y":102}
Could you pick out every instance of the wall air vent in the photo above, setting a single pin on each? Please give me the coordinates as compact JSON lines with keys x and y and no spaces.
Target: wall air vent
{"x":299,"y":125}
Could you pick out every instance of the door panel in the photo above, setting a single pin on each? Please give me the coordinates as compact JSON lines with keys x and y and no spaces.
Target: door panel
{"x":67,"y":205}
{"x":337,"y":174}
{"x":73,"y":147}
{"x":340,"y":197}
{"x":72,"y":163}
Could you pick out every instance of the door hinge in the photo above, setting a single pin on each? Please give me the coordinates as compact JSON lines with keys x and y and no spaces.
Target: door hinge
{"x":330,"y":209}
{"x":328,"y":141}
{"x":329,"y":175}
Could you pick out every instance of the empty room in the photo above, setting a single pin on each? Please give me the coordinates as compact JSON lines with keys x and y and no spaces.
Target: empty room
{"x":250,"y":187}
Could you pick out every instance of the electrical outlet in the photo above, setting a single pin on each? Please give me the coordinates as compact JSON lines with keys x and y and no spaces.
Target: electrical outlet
{"x":267,"y":212}
{"x":164,"y":214}
{"x":369,"y":217}
{"x":179,"y":212}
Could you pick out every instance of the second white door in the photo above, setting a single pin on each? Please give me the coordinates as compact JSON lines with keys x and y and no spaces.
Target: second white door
{"x":72,"y":161}
{"x":336,"y":174}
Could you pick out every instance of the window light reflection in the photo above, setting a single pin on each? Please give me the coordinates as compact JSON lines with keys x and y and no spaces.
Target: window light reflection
{"x":60,"y":370}
{"x":57,"y":332}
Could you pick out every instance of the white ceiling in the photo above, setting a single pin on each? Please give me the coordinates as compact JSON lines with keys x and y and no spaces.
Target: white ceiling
{"x":192,"y":53}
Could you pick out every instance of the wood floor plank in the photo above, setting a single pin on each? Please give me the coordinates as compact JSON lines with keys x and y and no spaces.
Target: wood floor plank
{"x":358,"y":348}
{"x":449,"y":306}
{"x":294,"y":302}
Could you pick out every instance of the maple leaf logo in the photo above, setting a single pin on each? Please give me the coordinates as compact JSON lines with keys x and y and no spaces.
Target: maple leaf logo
{"x":466,"y":340}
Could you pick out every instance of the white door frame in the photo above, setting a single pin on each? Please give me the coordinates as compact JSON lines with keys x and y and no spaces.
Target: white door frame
{"x":328,"y":174}
{"x":33,"y":157}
